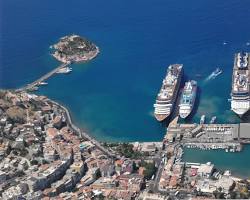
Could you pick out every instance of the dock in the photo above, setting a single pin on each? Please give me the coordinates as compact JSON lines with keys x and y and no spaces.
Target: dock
{"x":36,"y":83}
{"x":209,"y":136}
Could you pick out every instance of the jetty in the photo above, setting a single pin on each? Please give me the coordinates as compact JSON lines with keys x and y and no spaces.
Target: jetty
{"x":33,"y":85}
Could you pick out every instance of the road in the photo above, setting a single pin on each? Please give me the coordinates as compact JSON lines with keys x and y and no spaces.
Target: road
{"x":82,"y":133}
{"x":75,"y":128}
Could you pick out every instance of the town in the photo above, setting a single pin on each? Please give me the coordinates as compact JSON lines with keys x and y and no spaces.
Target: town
{"x":44,"y":156}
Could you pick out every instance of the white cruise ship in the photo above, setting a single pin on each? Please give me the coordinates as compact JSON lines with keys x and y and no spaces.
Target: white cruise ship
{"x":240,"y":95}
{"x":187,"y":99}
{"x":167,"y":96}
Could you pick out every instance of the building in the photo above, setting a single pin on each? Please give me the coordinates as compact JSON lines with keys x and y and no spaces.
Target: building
{"x":205,"y":170}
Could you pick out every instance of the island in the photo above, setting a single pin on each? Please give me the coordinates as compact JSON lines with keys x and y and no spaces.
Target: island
{"x":74,"y":48}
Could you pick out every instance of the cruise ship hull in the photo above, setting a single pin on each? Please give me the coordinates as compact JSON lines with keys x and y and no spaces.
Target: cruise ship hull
{"x":186,"y":108}
{"x":185,"y":113}
{"x":161,"y":118}
{"x":166,"y":98}
{"x":240,"y":110}
{"x":240,"y":95}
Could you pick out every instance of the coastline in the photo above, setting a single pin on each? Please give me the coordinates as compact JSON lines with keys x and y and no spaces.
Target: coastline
{"x":81,"y":133}
{"x":91,"y":55}
{"x":74,"y":48}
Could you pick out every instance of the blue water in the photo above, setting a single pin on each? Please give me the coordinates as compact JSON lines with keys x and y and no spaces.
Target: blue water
{"x":112,"y":96}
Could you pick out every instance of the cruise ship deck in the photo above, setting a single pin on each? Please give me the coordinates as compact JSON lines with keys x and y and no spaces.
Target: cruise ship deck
{"x":166,"y":97}
{"x":240,"y":95}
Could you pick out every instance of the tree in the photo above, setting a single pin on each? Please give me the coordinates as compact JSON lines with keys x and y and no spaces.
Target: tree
{"x":169,"y":155}
{"x":150,"y":169}
{"x":233,"y":195}
{"x":244,"y":194}
{"x":34,"y":162}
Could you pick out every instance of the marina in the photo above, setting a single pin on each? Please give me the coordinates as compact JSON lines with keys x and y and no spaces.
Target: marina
{"x":229,"y":147}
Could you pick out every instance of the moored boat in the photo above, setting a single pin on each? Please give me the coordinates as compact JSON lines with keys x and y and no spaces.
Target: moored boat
{"x":213,"y":119}
{"x":166,"y":98}
{"x":187,"y":99}
{"x":240,"y":95}
{"x":203,"y":119}
{"x":64,"y":70}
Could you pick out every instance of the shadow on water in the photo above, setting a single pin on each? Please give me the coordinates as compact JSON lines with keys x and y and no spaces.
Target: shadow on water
{"x":175,"y":112}
{"x":246,"y":117}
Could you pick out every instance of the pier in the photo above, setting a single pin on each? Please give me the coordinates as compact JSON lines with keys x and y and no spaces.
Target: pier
{"x":209,"y":136}
{"x":81,"y":133}
{"x":43,"y":78}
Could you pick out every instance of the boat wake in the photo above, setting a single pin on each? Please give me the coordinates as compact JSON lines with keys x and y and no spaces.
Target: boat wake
{"x":214,"y":74}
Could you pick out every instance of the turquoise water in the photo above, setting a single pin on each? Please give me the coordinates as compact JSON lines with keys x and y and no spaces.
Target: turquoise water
{"x":238,"y":163}
{"x":112,"y":96}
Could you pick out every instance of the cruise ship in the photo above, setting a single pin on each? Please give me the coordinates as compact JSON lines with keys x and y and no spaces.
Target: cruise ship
{"x":187,"y":99}
{"x":240,"y":95}
{"x":166,"y":98}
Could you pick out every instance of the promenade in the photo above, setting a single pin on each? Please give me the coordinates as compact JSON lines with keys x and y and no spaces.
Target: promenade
{"x":82,"y":133}
{"x":75,"y":128}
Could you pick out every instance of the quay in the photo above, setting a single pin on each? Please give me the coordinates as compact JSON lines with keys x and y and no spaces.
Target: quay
{"x":68,"y":117}
{"x":209,"y":136}
{"x":43,"y":78}
{"x":232,"y":147}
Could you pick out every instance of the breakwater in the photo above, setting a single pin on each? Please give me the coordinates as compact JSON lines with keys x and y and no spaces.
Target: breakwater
{"x":43,"y":78}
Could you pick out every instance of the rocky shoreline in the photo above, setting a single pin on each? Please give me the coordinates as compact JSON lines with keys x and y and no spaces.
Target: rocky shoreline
{"x":74,"y":48}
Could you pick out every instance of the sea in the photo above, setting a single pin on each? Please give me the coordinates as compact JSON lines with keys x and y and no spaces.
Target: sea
{"x":112,"y":96}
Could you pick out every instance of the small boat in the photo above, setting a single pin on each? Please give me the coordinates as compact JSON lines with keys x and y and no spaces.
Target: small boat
{"x":213,"y":119}
{"x":35,"y":88}
{"x":224,"y":43}
{"x":214,"y":74}
{"x":203,"y":119}
{"x":43,"y":83}
{"x":217,"y":72}
{"x":198,"y":75}
{"x":248,"y":43}
{"x":64,"y":70}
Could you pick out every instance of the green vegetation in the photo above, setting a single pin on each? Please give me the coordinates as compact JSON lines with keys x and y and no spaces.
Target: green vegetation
{"x":244,"y":193}
{"x":150,"y":169}
{"x":126,"y":149}
{"x":73,"y":47}
{"x":16,"y":114}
